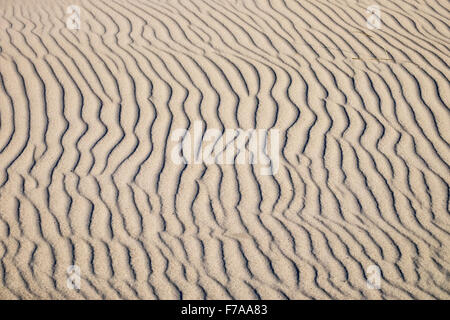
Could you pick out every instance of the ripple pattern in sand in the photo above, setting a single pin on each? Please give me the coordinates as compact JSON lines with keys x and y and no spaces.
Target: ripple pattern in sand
{"x":86,"y":176}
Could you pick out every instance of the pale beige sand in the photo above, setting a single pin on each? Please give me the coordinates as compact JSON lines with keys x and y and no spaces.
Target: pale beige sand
{"x":86,"y":176}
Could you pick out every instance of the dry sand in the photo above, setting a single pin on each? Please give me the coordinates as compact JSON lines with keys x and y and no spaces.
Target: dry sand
{"x":86,"y":176}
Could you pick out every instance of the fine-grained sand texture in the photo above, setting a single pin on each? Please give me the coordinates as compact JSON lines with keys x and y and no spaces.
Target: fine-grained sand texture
{"x":87,"y":179}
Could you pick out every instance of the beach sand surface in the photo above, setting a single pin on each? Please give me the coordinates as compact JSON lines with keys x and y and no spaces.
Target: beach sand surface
{"x":88,"y":113}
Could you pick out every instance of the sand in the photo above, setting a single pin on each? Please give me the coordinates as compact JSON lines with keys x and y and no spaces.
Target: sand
{"x":87,"y":118}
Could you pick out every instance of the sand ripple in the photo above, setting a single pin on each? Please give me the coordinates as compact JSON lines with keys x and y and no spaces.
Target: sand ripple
{"x":86,"y":176}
